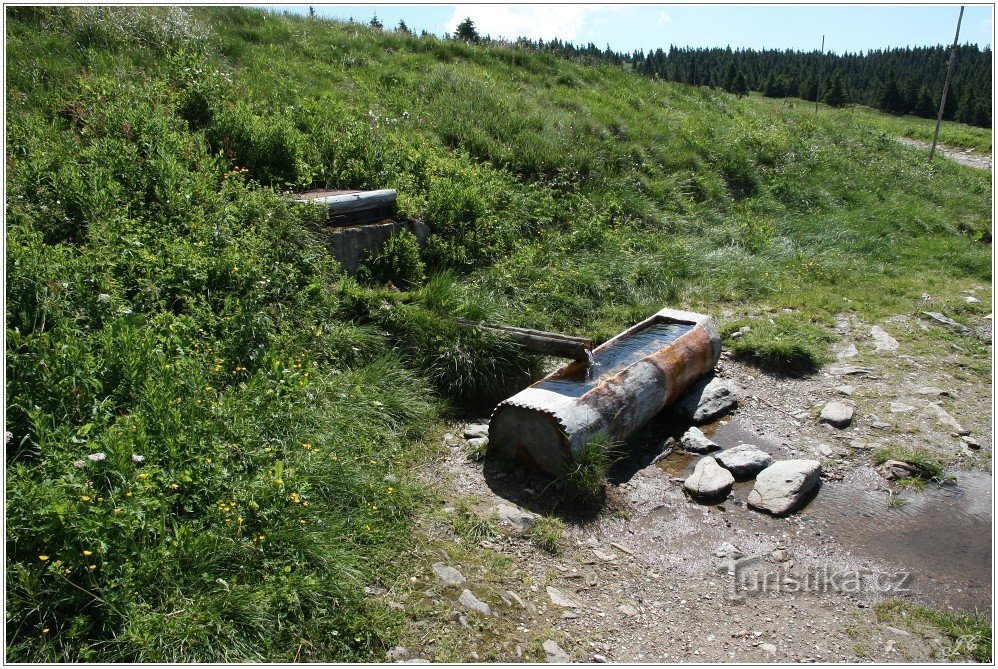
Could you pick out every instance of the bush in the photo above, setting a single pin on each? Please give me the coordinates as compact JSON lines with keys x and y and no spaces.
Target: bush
{"x":398,"y":262}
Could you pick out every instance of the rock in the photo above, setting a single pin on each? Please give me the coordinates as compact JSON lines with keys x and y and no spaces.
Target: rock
{"x":970,"y":299}
{"x":784,"y":486}
{"x":561,"y":598}
{"x":850,"y":370}
{"x":447,"y":576}
{"x":971,"y":442}
{"x":516,"y":598}
{"x":844,"y":390}
{"x":836,"y":414}
{"x":476,"y":431}
{"x":514,"y":516}
{"x":893,"y":470}
{"x":709,"y":481}
{"x":883,"y":341}
{"x":415,"y":660}
{"x":627,"y":610}
{"x":826,"y":450}
{"x":728,"y":551}
{"x":599,"y":659}
{"x":900,"y":407}
{"x":472,"y":603}
{"x":933,"y":391}
{"x":605,"y":556}
{"x":779,"y":555}
{"x":947,"y":420}
{"x":744,"y":461}
{"x":478,"y":442}
{"x":848,"y":351}
{"x":708,"y":399}
{"x":880,"y":425}
{"x":945,"y":320}
{"x":696,"y":441}
{"x":554,"y":653}
{"x":768,"y":648}
{"x":396,"y":653}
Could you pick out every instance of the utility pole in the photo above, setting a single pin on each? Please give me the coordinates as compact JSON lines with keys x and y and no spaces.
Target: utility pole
{"x":949,"y":76}
{"x":821,"y":62}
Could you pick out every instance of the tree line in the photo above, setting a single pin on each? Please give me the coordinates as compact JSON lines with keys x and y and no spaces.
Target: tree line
{"x":898,"y":81}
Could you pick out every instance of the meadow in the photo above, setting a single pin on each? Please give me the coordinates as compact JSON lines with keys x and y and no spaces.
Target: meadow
{"x":211,"y":430}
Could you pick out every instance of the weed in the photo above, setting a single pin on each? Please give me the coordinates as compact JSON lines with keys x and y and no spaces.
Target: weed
{"x":548,"y":534}
{"x":472,"y":527}
{"x":969,"y":633}
{"x":397,"y":262}
{"x":587,"y":478}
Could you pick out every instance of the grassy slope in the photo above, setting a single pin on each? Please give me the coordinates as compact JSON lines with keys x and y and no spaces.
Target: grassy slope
{"x":163,"y":301}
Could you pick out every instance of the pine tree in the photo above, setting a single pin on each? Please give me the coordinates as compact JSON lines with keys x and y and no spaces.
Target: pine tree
{"x":728,"y":83}
{"x":966,"y":109}
{"x":375,"y":23}
{"x":466,"y":31}
{"x":835,"y":95}
{"x":891,"y":101}
{"x":403,"y":28}
{"x":739,"y":86}
{"x":926,"y":105}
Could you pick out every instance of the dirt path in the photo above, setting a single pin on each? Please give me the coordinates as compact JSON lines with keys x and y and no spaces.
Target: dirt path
{"x":642,"y":581}
{"x":963,"y":156}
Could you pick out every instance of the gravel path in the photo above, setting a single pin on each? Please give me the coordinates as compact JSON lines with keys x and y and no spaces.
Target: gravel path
{"x":963,"y":156}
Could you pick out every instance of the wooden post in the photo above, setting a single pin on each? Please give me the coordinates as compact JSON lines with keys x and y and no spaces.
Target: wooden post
{"x":949,"y":76}
{"x":817,"y":84}
{"x":547,"y":343}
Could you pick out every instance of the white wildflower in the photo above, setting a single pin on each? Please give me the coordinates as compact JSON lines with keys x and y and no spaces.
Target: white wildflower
{"x":138,"y":458}
{"x":97,"y":457}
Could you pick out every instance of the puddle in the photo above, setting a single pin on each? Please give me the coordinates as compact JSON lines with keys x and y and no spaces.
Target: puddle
{"x":578,"y":378}
{"x":941,"y":535}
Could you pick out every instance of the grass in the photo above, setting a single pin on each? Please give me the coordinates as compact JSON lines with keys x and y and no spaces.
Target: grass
{"x":213,"y":431}
{"x":472,"y":527}
{"x":927,"y":463}
{"x":592,"y":463}
{"x":548,"y":534}
{"x":783,"y":344}
{"x":969,"y":634}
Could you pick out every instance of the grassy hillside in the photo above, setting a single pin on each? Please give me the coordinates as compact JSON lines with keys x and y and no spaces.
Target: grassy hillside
{"x":211,"y":430}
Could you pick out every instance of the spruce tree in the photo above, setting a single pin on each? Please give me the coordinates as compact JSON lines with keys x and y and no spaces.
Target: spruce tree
{"x":375,"y":23}
{"x":739,"y":86}
{"x":926,"y":105}
{"x":835,"y":95}
{"x":466,"y":31}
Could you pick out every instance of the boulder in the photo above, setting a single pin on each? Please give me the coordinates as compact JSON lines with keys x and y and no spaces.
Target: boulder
{"x":447,"y":576}
{"x":883,"y":341}
{"x":784,"y":486}
{"x":709,"y":481}
{"x":476,"y":430}
{"x":554,"y":653}
{"x":708,"y":399}
{"x":472,"y":603}
{"x":696,"y":441}
{"x":836,"y":414}
{"x":744,"y":461}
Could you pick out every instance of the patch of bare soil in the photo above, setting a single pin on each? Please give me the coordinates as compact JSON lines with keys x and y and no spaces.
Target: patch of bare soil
{"x":655,"y":577}
{"x":966,"y":157}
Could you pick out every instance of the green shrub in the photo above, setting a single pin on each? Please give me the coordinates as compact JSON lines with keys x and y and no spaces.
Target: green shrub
{"x":398,"y":262}
{"x":548,"y":534}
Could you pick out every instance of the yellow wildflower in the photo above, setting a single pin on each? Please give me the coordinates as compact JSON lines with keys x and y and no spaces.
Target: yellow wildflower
{"x":174,"y":486}
{"x":43,"y":558}
{"x":86,"y":498}
{"x":88,"y":552}
{"x":143,"y":475}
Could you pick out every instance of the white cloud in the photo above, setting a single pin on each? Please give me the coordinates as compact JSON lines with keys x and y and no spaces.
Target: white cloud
{"x":664,"y":18}
{"x":532,"y":21}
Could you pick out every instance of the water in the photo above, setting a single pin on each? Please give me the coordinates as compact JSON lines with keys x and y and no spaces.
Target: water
{"x":578,"y":378}
{"x":941,"y":534}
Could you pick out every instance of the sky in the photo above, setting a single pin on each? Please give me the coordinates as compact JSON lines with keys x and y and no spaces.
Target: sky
{"x":626,"y":28}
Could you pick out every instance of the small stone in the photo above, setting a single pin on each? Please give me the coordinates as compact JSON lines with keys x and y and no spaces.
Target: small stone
{"x":768,"y":648}
{"x":882,"y":341}
{"x":826,"y":450}
{"x":728,"y":551}
{"x":970,"y":299}
{"x":836,"y":414}
{"x":900,"y":407}
{"x":971,"y":442}
{"x":932,"y":391}
{"x":848,"y":351}
{"x":447,"y":575}
{"x":472,"y":603}
{"x":554,"y":653}
{"x":627,"y":610}
{"x":845,"y":390}
{"x":849,"y":370}
{"x":478,"y":442}
{"x":945,"y":320}
{"x":780,"y":555}
{"x":696,"y":441}
{"x":561,"y":598}
{"x":709,"y":481}
{"x":476,"y":431}
{"x":516,"y":598}
{"x":892,"y":470}
{"x":782,"y":487}
{"x":604,"y":555}
{"x":514,"y":516}
{"x":744,"y":461}
{"x":708,"y":399}
{"x":599,"y":659}
{"x":880,"y":425}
